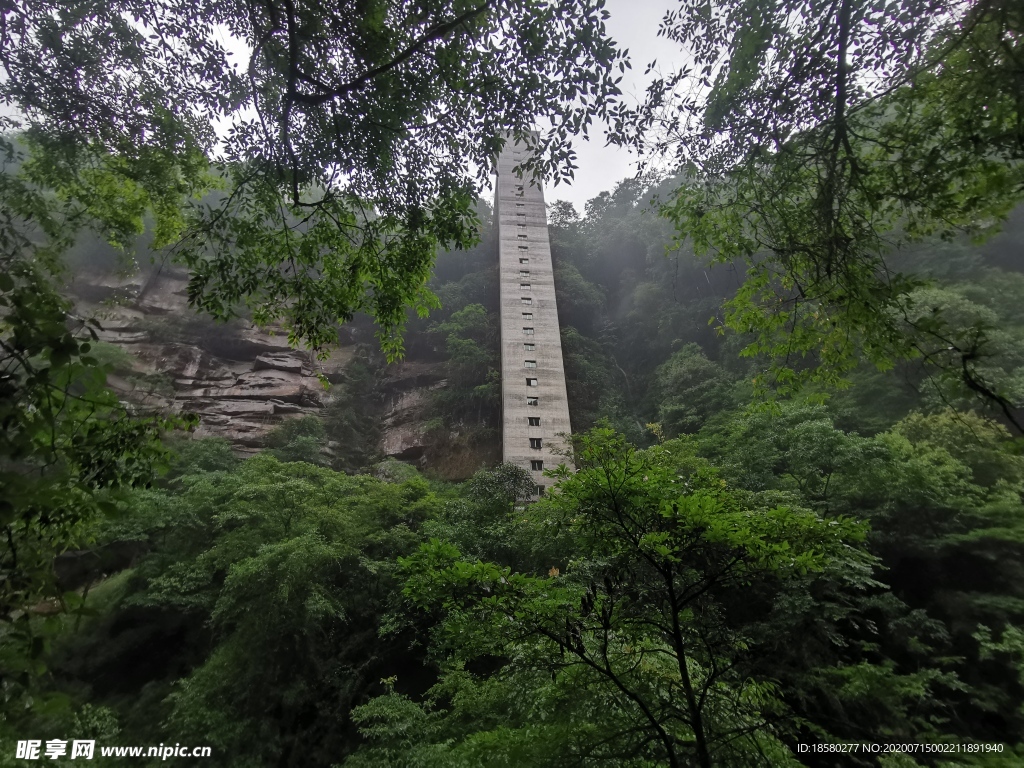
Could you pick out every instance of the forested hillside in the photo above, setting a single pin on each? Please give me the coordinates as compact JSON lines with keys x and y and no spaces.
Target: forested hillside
{"x":852,"y":566}
{"x":790,"y":527}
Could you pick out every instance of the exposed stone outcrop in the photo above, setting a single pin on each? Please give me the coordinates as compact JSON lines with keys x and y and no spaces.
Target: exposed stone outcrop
{"x":407,"y":387}
{"x":277,"y":363}
{"x":405,"y":434}
{"x":164,"y":293}
{"x":242,"y":381}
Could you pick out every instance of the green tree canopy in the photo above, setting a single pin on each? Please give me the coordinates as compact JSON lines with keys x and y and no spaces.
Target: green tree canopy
{"x":351,"y":142}
{"x":689,"y":389}
{"x":306,"y":175}
{"x":635,"y":644}
{"x":816,"y":138}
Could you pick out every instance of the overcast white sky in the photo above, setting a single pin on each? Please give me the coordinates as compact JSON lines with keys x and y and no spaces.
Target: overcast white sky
{"x":634,"y":25}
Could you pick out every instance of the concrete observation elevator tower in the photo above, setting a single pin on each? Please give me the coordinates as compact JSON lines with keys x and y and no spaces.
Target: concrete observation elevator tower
{"x":535,"y":408}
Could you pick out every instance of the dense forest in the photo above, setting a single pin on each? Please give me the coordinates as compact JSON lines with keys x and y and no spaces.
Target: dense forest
{"x":850,"y":569}
{"x":791,"y":520}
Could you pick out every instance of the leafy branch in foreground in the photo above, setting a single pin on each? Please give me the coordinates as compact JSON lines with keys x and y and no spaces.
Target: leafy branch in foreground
{"x":353,"y":142}
{"x":66,"y":441}
{"x":648,"y":636}
{"x":818,"y":137}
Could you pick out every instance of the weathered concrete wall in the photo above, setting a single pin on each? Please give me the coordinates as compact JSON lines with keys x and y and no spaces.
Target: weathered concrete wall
{"x":528,"y":317}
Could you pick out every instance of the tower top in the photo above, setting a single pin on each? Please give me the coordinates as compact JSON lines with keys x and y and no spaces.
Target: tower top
{"x":511,"y":144}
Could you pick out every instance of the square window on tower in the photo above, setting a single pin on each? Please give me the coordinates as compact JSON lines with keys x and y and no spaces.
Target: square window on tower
{"x":524,"y":273}
{"x":529,"y":347}
{"x":527,"y":315}
{"x":533,"y":401}
{"x":526,"y":300}
{"x":534,"y":421}
{"x":540,"y":490}
{"x":524,"y":261}
{"x":527,"y":331}
{"x":530,"y":364}
{"x":524,"y":286}
{"x":532,"y":383}
{"x":535,"y":443}
{"x":521,"y":237}
{"x":537,"y":465}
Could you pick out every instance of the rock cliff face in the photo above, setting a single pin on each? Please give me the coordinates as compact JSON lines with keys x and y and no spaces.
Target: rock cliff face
{"x":406,"y":387}
{"x":240,"y":380}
